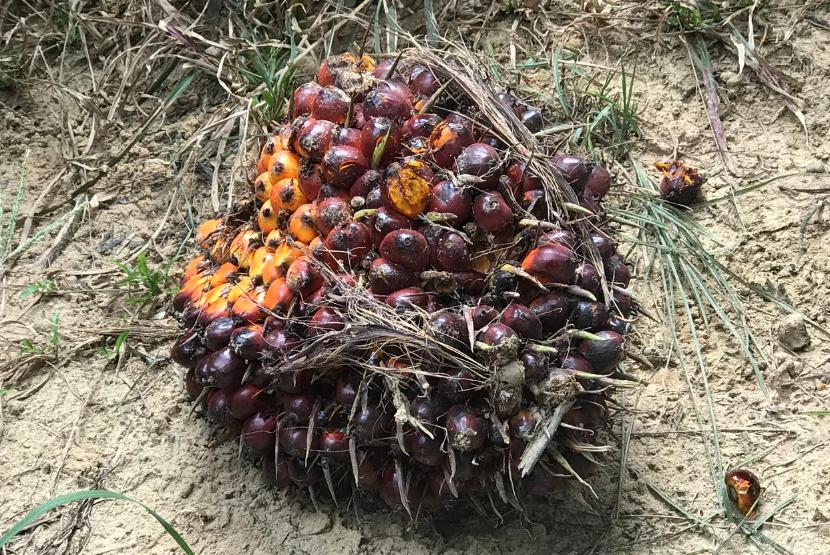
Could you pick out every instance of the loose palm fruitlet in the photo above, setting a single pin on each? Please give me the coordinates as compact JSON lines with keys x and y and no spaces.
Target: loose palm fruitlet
{"x":402,"y":311}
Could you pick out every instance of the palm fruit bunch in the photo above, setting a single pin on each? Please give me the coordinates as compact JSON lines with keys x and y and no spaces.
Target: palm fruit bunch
{"x":416,"y":301}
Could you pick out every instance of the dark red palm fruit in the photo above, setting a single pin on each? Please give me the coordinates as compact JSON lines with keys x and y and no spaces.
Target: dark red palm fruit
{"x":331,"y":213}
{"x":298,"y":407}
{"x":191,"y":387}
{"x":408,"y":298}
{"x":573,"y":169}
{"x":551,"y":263}
{"x":370,"y":468}
{"x":492,"y":213}
{"x":294,"y":441}
{"x":217,"y":408}
{"x":587,"y":277}
{"x":304,"y":473}
{"x":279,"y":342}
{"x":246,"y":401}
{"x":598,"y":183}
{"x":370,"y":424}
{"x":447,"y":140}
{"x":509,"y":101}
{"x":223,"y":369}
{"x":449,"y":328}
{"x":619,"y":325}
{"x":218,"y":333}
{"x":507,"y":189}
{"x":293,"y":381}
{"x":275,"y":474}
{"x":523,"y":321}
{"x":553,"y":310}
{"x":535,"y":204}
{"x":386,"y":277}
{"x":324,"y":320}
{"x":393,"y":487}
{"x":247,"y":341}
{"x":535,"y":365}
{"x":617,"y":271}
{"x":342,"y":165}
{"x":389,"y":99}
{"x":345,"y":390}
{"x":367,"y":181}
{"x":259,"y":432}
{"x":604,"y":245}
{"x":327,"y":190}
{"x":458,"y":385}
{"x":188,"y":349}
{"x":334,"y":444}
{"x":422,"y":82}
{"x":347,"y":136}
{"x":744,"y":489}
{"x":481,"y":161}
{"x":561,"y":236}
{"x":502,"y":281}
{"x":310,"y":179}
{"x":424,"y":449}
{"x":504,"y":338}
{"x":483,"y":315}
{"x":428,"y":409}
{"x":407,"y":248}
{"x":524,"y":178}
{"x":493,"y":141}
{"x":446,"y":198}
{"x":358,"y":121}
{"x":377,"y":152}
{"x":349,"y":242}
{"x":466,"y":430}
{"x":303,"y":277}
{"x":623,"y":303}
{"x":532,"y":119}
{"x":385,"y":221}
{"x":419,"y":125}
{"x":521,"y":424}
{"x":304,"y":98}
{"x":314,"y":138}
{"x":414,"y":146}
{"x":604,"y":353}
{"x":381,"y":70}
{"x":331,"y":104}
{"x":589,"y":316}
{"x":453,"y":253}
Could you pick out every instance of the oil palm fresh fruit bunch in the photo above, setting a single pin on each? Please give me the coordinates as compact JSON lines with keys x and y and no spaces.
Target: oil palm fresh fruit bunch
{"x":416,"y":301}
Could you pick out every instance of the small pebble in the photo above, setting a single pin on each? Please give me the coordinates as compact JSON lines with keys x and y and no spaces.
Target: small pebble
{"x":792,"y":332}
{"x":814,"y":167}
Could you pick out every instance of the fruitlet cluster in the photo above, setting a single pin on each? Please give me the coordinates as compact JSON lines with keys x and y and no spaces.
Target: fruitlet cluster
{"x":373,"y":189}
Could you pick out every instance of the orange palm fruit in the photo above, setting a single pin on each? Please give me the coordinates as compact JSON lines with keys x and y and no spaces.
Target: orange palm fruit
{"x":274,"y":239}
{"x":216,"y":293}
{"x":278,"y":297}
{"x":191,"y":291}
{"x":408,"y":187}
{"x":267,"y":218}
{"x":284,"y":164}
{"x":240,"y":288}
{"x":223,"y":273}
{"x":303,"y":276}
{"x":214,"y":311}
{"x":260,"y":260}
{"x":207,"y":230}
{"x":249,"y":306}
{"x":286,"y":195}
{"x":243,"y":245}
{"x":301,"y":223}
{"x":263,"y":185}
{"x":195,"y":266}
{"x":284,"y":256}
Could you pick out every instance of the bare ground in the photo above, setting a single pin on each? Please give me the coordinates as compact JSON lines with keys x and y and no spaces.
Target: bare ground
{"x":80,"y":421}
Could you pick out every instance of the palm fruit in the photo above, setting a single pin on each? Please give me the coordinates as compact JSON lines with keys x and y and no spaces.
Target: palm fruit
{"x":388,"y":313}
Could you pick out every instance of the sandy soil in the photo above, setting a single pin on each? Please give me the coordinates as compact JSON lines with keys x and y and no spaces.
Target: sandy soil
{"x":84,"y":422}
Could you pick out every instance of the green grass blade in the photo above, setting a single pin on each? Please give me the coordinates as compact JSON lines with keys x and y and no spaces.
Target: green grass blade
{"x":67,"y":498}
